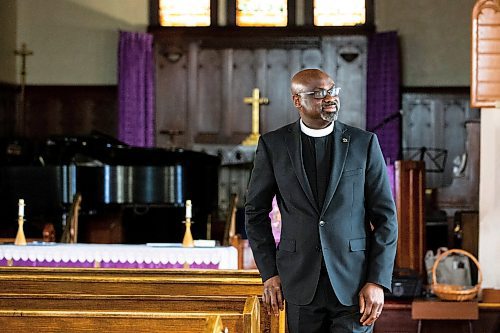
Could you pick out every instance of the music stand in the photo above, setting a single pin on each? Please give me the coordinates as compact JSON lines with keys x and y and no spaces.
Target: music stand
{"x":434,"y":158}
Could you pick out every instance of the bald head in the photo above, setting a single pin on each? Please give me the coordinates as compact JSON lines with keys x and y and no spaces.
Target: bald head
{"x":306,"y":79}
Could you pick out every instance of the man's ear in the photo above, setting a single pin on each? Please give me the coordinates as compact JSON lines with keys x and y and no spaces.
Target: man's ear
{"x":296,"y":101}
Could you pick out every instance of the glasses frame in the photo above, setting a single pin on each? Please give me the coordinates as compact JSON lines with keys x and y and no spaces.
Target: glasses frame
{"x":322,"y":93}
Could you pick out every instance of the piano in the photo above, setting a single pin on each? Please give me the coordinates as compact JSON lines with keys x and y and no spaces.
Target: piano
{"x":130,"y":195}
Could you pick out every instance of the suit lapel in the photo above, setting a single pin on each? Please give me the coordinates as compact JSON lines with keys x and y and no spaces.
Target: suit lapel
{"x":294,"y":147}
{"x":340,"y":146}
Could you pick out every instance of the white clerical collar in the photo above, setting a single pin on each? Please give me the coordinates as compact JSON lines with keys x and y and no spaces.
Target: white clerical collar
{"x":316,"y":133}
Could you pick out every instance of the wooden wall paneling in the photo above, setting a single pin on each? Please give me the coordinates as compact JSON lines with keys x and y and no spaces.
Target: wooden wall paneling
{"x":436,"y":138}
{"x":312,"y":58}
{"x":260,"y":68}
{"x":294,"y":65}
{"x":207,"y":116}
{"x":43,"y":115}
{"x":192,"y":90}
{"x":485,"y":78}
{"x":410,"y":188}
{"x":436,"y":120}
{"x":420,"y":122}
{"x":226,"y":94}
{"x":171,"y":98}
{"x":272,"y":60}
{"x":83,"y":116}
{"x":278,"y":76}
{"x":70,"y":110}
{"x":104,"y":110}
{"x":7,"y":109}
{"x":328,"y":47}
{"x":454,"y":114}
{"x":350,"y":55}
{"x":463,"y":192}
{"x":244,"y":80}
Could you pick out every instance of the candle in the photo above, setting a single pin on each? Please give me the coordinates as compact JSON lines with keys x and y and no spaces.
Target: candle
{"x":21,"y":208}
{"x":188,"y":209}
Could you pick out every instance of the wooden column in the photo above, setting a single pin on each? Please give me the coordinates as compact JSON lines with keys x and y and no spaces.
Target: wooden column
{"x":409,"y":193}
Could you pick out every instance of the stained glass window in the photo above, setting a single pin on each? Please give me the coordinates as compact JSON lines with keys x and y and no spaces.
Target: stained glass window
{"x":264,"y":13}
{"x":184,"y":13}
{"x":339,"y":12}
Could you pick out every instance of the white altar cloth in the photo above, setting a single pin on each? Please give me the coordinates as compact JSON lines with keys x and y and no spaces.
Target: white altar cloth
{"x":118,"y":256}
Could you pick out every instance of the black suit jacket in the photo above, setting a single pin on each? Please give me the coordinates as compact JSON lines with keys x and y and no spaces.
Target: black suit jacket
{"x":355,"y":232}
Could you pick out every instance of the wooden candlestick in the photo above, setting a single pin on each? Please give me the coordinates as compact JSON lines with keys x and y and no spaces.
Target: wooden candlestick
{"x":20,"y":238}
{"x":187,"y":241}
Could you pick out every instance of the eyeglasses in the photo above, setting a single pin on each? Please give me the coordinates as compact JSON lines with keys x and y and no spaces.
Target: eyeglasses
{"x":321,"y":93}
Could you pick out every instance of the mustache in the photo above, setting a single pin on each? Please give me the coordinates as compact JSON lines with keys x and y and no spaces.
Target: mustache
{"x":332,"y":103}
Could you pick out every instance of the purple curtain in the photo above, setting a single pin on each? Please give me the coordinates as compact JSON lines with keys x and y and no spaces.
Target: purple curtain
{"x":382,"y":93}
{"x":136,"y":89}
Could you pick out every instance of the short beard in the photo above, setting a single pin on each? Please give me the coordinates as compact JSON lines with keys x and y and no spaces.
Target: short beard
{"x":330,"y":116}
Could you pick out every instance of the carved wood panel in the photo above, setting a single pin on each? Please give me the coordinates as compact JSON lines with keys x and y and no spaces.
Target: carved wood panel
{"x":350,"y":64}
{"x":208,"y":111}
{"x":280,"y":109}
{"x":200,"y":96}
{"x":246,"y":64}
{"x":171,"y":80}
{"x":436,"y":121}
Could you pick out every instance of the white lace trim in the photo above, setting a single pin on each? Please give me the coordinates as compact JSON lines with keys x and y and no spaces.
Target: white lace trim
{"x":226,"y":257}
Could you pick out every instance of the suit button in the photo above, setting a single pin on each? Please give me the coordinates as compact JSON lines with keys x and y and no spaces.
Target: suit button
{"x":322,"y":223}
{"x":318,"y":248}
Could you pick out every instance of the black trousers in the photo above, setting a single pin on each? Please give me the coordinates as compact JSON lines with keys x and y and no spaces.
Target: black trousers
{"x":325,"y":314}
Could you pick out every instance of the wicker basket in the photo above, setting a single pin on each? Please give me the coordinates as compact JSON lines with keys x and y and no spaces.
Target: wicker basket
{"x":450,"y":292}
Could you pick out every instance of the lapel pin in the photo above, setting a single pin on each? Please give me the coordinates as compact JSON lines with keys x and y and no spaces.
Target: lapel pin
{"x":344,"y":140}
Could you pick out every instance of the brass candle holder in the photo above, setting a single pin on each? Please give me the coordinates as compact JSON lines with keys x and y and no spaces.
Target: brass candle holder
{"x":187,"y":241}
{"x":20,"y":238}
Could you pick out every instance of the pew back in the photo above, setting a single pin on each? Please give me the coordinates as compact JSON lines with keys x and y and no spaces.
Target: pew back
{"x":142,"y":290}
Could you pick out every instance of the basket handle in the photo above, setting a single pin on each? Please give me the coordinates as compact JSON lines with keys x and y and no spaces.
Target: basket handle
{"x":446,"y":253}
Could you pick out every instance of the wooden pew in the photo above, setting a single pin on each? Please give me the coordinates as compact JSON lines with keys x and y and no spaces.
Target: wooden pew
{"x":143,"y":290}
{"x":239,"y":314}
{"x":113,"y":322}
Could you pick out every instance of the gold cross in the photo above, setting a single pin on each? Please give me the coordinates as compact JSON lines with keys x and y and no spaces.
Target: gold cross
{"x":255,"y":101}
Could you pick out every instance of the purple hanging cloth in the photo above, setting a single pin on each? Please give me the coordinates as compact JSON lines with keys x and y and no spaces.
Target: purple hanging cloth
{"x":136,"y":89}
{"x":383,"y":93}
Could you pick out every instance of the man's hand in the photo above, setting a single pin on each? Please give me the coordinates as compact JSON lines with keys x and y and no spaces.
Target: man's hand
{"x":371,"y":302}
{"x":273,"y":297}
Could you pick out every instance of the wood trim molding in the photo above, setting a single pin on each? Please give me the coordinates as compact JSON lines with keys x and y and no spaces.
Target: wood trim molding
{"x":485,"y":54}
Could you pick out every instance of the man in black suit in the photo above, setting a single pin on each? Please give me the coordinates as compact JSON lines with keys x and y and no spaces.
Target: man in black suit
{"x":338,"y":218}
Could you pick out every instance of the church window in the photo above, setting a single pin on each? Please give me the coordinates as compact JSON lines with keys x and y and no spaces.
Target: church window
{"x":261,"y":13}
{"x":185,"y":13}
{"x":339,"y":12}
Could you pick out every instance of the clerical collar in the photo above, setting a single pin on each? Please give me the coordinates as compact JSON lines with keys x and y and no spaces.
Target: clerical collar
{"x":316,"y":133}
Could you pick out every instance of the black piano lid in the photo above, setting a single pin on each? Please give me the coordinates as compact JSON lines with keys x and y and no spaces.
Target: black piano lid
{"x":98,"y":147}
{"x":106,"y":171}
